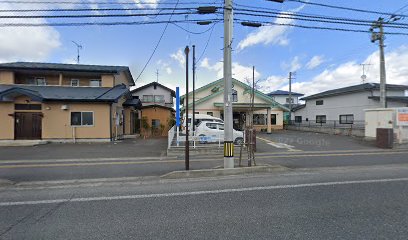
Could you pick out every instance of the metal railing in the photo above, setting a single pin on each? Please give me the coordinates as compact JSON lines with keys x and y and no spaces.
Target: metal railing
{"x":333,"y":124}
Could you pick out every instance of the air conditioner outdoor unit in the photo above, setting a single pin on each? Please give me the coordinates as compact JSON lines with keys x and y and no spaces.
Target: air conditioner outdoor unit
{"x":64,"y":107}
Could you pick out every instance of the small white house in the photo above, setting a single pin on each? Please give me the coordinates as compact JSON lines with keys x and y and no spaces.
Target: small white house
{"x":346,"y":105}
{"x":284,"y":97}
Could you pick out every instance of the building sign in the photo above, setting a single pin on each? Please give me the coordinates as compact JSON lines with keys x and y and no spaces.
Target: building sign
{"x":402,"y":116}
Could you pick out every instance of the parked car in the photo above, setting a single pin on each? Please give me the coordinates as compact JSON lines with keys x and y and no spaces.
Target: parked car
{"x":198,"y":119}
{"x":209,"y":131}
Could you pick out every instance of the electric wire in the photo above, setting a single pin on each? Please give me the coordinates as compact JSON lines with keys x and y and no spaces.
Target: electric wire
{"x":346,"y":8}
{"x":157,"y":45}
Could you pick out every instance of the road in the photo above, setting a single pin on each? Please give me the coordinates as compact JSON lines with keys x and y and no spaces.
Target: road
{"x":337,"y":203}
{"x":65,"y":169}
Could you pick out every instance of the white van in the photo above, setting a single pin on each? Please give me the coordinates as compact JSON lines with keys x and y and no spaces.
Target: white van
{"x":214,"y":132}
{"x":198,"y":119}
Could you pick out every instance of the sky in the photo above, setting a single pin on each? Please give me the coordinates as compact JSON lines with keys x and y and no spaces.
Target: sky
{"x":321,"y":59}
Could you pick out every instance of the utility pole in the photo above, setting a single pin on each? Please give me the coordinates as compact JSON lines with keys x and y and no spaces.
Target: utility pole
{"x":290,"y":96}
{"x":79,"y":47}
{"x":380,"y":37}
{"x":194,"y":66}
{"x":228,"y":130}
{"x":187,"y":145}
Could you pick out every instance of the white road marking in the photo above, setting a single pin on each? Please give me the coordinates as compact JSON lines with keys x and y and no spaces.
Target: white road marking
{"x":177,"y":194}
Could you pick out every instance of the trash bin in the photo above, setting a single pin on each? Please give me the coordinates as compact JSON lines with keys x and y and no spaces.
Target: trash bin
{"x":385,"y":138}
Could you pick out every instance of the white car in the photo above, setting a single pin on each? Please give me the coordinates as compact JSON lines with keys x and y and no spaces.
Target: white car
{"x":198,"y":119}
{"x":213,"y":131}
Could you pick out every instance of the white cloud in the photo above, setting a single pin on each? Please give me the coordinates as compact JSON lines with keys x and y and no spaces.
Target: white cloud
{"x":26,"y":43}
{"x":293,"y":66}
{"x":180,"y":57}
{"x":349,"y":73}
{"x":276,"y":35}
{"x":169,"y":70}
{"x":239,"y":71}
{"x":314,"y":62}
{"x":272,"y":83}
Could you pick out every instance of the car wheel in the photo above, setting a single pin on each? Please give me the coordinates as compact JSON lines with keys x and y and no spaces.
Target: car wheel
{"x":202,"y":135}
{"x":239,"y":141}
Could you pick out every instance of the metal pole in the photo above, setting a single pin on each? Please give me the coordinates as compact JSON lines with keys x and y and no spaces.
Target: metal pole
{"x":193,"y":120}
{"x":383,"y":93}
{"x":228,"y":130}
{"x":187,"y":144}
{"x":290,"y":96}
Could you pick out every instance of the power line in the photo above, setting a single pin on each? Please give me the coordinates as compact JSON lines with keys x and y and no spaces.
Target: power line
{"x":345,"y":8}
{"x":188,"y":31}
{"x":97,"y":15}
{"x":317,"y":27}
{"x":320,"y":20}
{"x":158,"y":42}
{"x":279,"y":13}
{"x":94,"y":9}
{"x":206,"y":44}
{"x":77,"y":24}
{"x":99,"y":3}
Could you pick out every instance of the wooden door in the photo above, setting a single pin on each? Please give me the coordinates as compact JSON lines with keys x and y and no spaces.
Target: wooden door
{"x":27,"y":125}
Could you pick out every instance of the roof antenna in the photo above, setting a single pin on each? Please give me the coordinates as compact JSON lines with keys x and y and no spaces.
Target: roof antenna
{"x":157,"y":75}
{"x":79,"y":47}
{"x":364,"y":77}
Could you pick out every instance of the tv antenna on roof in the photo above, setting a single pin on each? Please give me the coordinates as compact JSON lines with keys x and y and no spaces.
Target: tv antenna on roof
{"x":79,"y":47}
{"x":364,"y":77}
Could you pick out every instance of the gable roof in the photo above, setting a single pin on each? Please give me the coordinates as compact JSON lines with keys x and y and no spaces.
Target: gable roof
{"x":237,"y":82}
{"x":68,"y":68}
{"x":356,"y":88}
{"x":69,"y":94}
{"x":172,"y":92}
{"x":282,"y":92}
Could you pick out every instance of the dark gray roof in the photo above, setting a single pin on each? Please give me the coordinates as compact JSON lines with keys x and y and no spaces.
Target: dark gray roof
{"x":172,"y":92}
{"x":298,"y":107}
{"x":67,"y":68}
{"x":391,"y":99}
{"x":355,"y":88}
{"x":57,"y":93}
{"x":282,"y":92}
{"x":133,"y":102}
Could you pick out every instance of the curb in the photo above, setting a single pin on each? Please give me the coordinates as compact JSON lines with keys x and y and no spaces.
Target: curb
{"x":24,"y":143}
{"x":224,"y":172}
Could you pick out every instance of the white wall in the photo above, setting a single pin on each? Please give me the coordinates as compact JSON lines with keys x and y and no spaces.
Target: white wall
{"x":158,"y":91}
{"x":353,"y":103}
{"x":282,"y":99}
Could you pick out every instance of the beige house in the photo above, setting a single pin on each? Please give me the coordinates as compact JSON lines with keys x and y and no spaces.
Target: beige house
{"x":65,"y":102}
{"x":268,"y":114}
{"x":157,"y":113}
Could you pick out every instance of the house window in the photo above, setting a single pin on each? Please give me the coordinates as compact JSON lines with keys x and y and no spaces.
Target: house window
{"x":74,"y":82}
{"x":319,"y":102}
{"x":41,"y":81}
{"x":288,"y":100}
{"x":147,"y":98}
{"x":159,"y":98}
{"x":346,"y":119}
{"x":298,"y":119}
{"x":95,"y":83}
{"x":234,"y":95}
{"x":155,"y":123}
{"x":321,"y":119}
{"x":259,"y":119}
{"x":273,"y":119}
{"x":82,"y":119}
{"x":27,"y":106}
{"x":210,"y":113}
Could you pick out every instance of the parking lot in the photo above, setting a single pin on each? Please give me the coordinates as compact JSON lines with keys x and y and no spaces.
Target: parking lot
{"x":309,"y":141}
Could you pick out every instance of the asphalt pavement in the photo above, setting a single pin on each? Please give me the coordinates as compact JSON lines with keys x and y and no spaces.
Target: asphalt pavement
{"x":337,"y":203}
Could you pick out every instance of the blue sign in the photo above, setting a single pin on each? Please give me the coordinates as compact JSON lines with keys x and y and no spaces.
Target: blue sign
{"x":177,"y":106}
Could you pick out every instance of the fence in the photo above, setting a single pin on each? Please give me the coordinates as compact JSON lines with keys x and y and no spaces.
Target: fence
{"x":176,"y":139}
{"x":356,"y":128}
{"x":334,"y":124}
